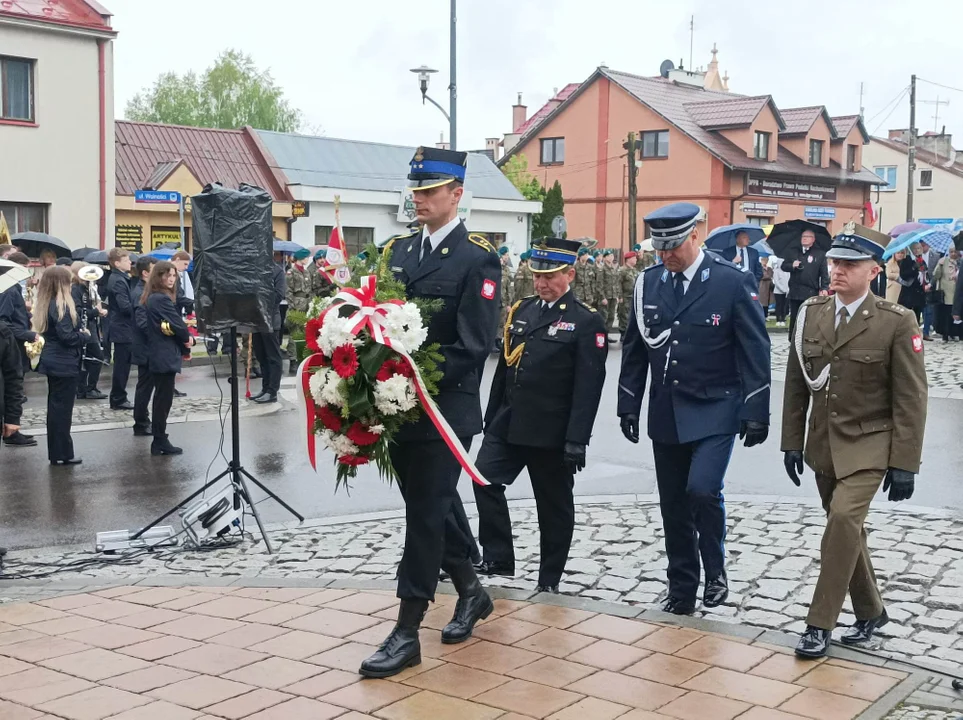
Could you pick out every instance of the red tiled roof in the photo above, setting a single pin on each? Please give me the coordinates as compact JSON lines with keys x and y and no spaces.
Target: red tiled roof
{"x":546,"y":109}
{"x":734,"y":112}
{"x":844,"y":125}
{"x":230,"y":157}
{"x":800,"y":120}
{"x":77,"y":13}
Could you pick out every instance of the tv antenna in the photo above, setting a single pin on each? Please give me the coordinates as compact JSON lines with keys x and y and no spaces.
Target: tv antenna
{"x":936,"y":115}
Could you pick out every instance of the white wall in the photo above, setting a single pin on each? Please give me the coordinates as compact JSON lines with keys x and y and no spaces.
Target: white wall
{"x":58,"y":162}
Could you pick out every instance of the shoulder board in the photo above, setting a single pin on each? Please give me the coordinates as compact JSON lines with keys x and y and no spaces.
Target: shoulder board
{"x":481,"y":242}
{"x":587,"y":307}
{"x":383,"y":244}
{"x":722,"y":261}
{"x":657,"y":266}
{"x":818,"y":300}
{"x":892,"y":307}
{"x":518,"y":303}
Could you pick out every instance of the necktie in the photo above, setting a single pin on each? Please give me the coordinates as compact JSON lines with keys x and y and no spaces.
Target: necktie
{"x":542,"y":309}
{"x":425,"y":249}
{"x":843,"y":320}
{"x":678,"y":286}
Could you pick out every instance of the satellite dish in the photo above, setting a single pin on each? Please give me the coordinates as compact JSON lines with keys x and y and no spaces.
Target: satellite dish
{"x":666,"y":67}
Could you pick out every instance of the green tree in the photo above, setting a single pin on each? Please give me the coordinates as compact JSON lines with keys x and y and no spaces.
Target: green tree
{"x":230,"y":94}
{"x":516,"y":170}
{"x":552,"y":205}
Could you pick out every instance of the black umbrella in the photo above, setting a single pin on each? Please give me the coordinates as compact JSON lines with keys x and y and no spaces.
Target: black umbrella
{"x":958,"y":241}
{"x":81,"y":253}
{"x":33,"y":243}
{"x":784,"y":238}
{"x":97,"y":257}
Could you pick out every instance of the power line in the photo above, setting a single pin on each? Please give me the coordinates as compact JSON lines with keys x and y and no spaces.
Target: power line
{"x":883,"y":122}
{"x":896,"y":100}
{"x":940,"y":85}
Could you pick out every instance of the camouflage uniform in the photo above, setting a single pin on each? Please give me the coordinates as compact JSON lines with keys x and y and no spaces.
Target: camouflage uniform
{"x":524,"y":281}
{"x":507,"y":295}
{"x":609,"y":291}
{"x":321,"y":285}
{"x":299,"y":288}
{"x":584,"y":285}
{"x":627,"y":277}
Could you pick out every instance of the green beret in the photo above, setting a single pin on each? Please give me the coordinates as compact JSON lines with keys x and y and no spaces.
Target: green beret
{"x":596,"y":252}
{"x":637,"y":247}
{"x":525,"y":255}
{"x":607,"y":251}
{"x":503,"y":250}
{"x":301,"y":254}
{"x":320,"y":254}
{"x":582,"y":251}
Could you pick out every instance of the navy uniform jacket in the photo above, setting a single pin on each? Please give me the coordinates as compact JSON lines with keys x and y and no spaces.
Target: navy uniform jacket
{"x":755,"y":267}
{"x":465,"y":274}
{"x":13,"y":312}
{"x":167,"y":334}
{"x":712,"y":368}
{"x":138,"y":349}
{"x":551,"y":396}
{"x":120,"y":308}
{"x":63,"y":345}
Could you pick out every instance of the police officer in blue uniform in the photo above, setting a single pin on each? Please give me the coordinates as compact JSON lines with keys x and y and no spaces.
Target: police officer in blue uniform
{"x":442,"y":262}
{"x":696,"y":322}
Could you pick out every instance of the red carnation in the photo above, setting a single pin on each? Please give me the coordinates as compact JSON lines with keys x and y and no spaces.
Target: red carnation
{"x":360,"y":435}
{"x":353,"y":460}
{"x":403,"y":368}
{"x":344,"y":361}
{"x":386,"y":371}
{"x":329,"y":418}
{"x":312,"y":330}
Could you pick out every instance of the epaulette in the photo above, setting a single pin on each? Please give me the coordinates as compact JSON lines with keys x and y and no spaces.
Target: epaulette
{"x":660,"y":266}
{"x":587,"y":307}
{"x":382,"y":245}
{"x":892,"y":307}
{"x":481,"y":242}
{"x":722,"y":261}
{"x":817,"y":299}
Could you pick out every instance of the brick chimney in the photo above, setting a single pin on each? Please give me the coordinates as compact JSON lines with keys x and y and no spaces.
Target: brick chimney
{"x":493,"y":146}
{"x":940,"y":144}
{"x":519,"y":114}
{"x":899,"y":136}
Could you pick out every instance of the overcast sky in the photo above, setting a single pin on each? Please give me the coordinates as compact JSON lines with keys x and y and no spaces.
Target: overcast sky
{"x":345,"y":64}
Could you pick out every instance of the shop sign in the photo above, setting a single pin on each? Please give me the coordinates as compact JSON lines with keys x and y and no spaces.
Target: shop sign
{"x":157,"y":197}
{"x":161,"y":235}
{"x":406,"y":207}
{"x":760,"y":208}
{"x":790,"y":189}
{"x":816,"y":212}
{"x":300,"y":209}
{"x":936,"y":221}
{"x":129,"y":237}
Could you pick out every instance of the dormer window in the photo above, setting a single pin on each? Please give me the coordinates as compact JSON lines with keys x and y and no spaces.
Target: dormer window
{"x":816,"y":153}
{"x":761,"y":146}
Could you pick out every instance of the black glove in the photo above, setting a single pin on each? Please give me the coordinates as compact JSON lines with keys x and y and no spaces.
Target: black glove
{"x":900,"y":484}
{"x":574,"y":457}
{"x":630,"y":427}
{"x":793,"y":460}
{"x":754,"y":432}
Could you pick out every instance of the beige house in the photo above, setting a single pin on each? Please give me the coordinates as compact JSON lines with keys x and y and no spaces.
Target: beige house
{"x":57,"y":119}
{"x":938,"y":184}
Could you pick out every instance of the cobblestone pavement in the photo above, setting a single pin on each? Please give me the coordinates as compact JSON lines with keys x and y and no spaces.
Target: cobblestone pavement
{"x":915,"y":712}
{"x":617,"y":555}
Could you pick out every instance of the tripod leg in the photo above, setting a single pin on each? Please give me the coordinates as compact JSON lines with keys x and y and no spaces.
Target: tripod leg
{"x":270,"y":494}
{"x":181,"y":504}
{"x":238,"y":477}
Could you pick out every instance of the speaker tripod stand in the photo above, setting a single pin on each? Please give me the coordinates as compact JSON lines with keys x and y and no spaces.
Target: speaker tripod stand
{"x":234,"y":471}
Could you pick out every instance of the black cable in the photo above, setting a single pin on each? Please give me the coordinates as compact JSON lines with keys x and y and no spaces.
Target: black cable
{"x":889,"y":114}
{"x":940,"y":85}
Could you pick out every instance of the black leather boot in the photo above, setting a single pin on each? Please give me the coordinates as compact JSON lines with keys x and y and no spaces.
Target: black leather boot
{"x":473,"y":604}
{"x":401,"y":649}
{"x":162,"y":446}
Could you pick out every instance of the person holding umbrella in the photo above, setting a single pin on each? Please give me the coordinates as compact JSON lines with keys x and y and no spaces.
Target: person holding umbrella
{"x":746,"y":257}
{"x":808,"y":272}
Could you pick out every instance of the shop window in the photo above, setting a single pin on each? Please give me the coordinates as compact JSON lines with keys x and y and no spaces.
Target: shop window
{"x":887,"y":173}
{"x":16,"y":89}
{"x":655,"y":144}
{"x":926,"y":180}
{"x":761,"y":145}
{"x":758,"y":220}
{"x":553,"y":151}
{"x":816,"y":153}
{"x":355,"y":238}
{"x":851,"y":158}
{"x":24,"y":217}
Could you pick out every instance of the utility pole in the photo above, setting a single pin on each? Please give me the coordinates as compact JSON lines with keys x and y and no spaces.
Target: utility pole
{"x":911,"y":155}
{"x":631,"y":148}
{"x":936,"y":116}
{"x":860,"y":100}
{"x":453,"y":88}
{"x":691,"y":39}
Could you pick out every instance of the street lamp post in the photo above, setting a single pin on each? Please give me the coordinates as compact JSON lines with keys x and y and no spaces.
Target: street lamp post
{"x":424,"y":73}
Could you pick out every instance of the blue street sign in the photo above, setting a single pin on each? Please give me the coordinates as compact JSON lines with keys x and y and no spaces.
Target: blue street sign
{"x":820,"y":213}
{"x":936,"y":221}
{"x":157,"y":197}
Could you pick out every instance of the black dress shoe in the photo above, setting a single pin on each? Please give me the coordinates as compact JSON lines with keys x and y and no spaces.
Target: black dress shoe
{"x":259,"y":395}
{"x":18,"y":439}
{"x":862,"y":630}
{"x":162,"y":446}
{"x":814,"y":643}
{"x":95,"y":395}
{"x":489,"y":567}
{"x":143,"y":431}
{"x":265,"y":398}
{"x":178,"y":393}
{"x":552,"y":589}
{"x":402,"y":648}
{"x":126,"y":405}
{"x":716,"y":592}
{"x":678,"y":606}
{"x":473,"y":604}
{"x":71,"y":461}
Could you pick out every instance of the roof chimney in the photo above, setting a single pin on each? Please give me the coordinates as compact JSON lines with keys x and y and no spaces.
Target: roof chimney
{"x":519,"y":114}
{"x":899,"y":136}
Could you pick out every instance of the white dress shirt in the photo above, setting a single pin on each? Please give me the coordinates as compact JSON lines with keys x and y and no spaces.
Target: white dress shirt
{"x":690,"y":271}
{"x":438,"y":237}
{"x":851,"y":308}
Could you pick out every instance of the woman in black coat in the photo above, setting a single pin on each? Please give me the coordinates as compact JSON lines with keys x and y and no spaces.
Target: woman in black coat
{"x":57,"y":320}
{"x":915,"y":279}
{"x":139,"y":354}
{"x":168,"y":340}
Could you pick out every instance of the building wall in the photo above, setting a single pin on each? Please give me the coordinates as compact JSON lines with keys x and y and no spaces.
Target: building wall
{"x":57,"y":162}
{"x":943,"y":201}
{"x":850,"y":198}
{"x":840,"y":149}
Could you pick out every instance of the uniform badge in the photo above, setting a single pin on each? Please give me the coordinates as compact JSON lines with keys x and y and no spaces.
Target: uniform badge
{"x":552,"y":330}
{"x":705,"y":274}
{"x":444,"y":251}
{"x":600,"y":340}
{"x":917,"y":343}
{"x":488,"y":289}
{"x":396,"y":268}
{"x":809,"y":258}
{"x":665,"y":275}
{"x":716,"y":317}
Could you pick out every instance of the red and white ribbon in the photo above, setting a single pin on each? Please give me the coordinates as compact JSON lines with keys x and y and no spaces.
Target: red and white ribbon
{"x":370,"y":315}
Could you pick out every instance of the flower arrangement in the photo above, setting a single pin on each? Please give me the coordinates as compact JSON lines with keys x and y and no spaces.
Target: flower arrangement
{"x":370,"y":372}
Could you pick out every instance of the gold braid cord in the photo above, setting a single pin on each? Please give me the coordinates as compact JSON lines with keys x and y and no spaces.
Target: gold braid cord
{"x":512,"y":357}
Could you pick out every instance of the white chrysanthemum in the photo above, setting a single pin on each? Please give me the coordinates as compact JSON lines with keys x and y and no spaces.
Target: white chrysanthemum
{"x":325,"y":386}
{"x":318,"y":305}
{"x":403,"y":324}
{"x":377,"y":429}
{"x":338,"y":443}
{"x":394,"y":395}
{"x":335,"y":332}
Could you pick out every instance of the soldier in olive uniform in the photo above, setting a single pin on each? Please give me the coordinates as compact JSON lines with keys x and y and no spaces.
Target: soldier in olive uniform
{"x":299,"y":282}
{"x":321,"y":283}
{"x":593,"y":283}
{"x":856,"y":365}
{"x":524,"y":280}
{"x":580,"y":286}
{"x":628,"y":274}
{"x":609,"y":290}
{"x":508,"y":286}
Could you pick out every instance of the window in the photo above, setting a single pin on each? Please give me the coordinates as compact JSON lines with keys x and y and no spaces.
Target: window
{"x":553,"y":151}
{"x":816,"y":153}
{"x":355,"y":238}
{"x":16,"y":89}
{"x":887,"y":173}
{"x":926,"y":180}
{"x":756,"y":220}
{"x":24,"y":218}
{"x":655,"y":144}
{"x":761,"y":146}
{"x":851,"y":158}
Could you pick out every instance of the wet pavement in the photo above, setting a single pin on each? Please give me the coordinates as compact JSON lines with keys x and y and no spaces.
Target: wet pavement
{"x":121,"y":486}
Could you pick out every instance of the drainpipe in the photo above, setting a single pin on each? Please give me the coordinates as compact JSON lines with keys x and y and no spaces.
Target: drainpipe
{"x":102,"y":103}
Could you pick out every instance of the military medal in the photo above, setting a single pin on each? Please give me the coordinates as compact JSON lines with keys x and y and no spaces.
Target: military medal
{"x":552,"y":330}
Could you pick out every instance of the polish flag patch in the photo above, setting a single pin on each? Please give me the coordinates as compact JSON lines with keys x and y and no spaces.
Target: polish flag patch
{"x":488,"y":289}
{"x":917,"y":343}
{"x":600,"y":340}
